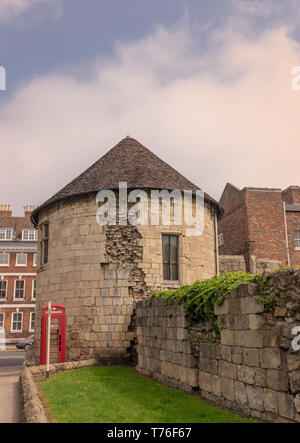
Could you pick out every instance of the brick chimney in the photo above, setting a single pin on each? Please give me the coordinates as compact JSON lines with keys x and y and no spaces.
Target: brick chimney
{"x":5,"y":211}
{"x":291,"y":194}
{"x":28,"y":210}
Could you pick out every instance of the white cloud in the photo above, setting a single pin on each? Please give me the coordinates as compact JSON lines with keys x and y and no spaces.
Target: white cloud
{"x":10,"y":9}
{"x":226,"y":114}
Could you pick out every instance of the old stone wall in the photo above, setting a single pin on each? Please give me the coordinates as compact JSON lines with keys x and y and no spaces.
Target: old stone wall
{"x":234,"y":263}
{"x":252,"y":368}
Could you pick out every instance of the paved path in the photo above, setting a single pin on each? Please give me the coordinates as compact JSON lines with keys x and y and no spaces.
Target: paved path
{"x":11,"y":363}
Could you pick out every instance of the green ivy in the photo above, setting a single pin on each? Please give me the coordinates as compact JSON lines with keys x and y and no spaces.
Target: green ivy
{"x":200,"y":297}
{"x":269,"y":302}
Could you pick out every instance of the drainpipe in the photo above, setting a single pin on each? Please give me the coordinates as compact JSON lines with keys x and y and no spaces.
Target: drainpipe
{"x":286,"y":235}
{"x":216,"y":243}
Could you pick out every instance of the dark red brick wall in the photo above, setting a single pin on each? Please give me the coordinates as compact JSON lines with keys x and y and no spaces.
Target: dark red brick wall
{"x":253,"y":223}
{"x":266,"y":224}
{"x":234,"y":224}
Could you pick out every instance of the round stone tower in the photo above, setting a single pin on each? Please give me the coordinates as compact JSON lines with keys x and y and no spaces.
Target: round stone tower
{"x":98,"y":271}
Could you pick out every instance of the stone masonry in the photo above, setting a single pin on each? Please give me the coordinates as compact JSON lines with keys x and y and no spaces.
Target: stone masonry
{"x":252,"y":368}
{"x":99,"y":272}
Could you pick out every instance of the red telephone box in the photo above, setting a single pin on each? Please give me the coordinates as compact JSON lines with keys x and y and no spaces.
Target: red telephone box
{"x":57,"y":334}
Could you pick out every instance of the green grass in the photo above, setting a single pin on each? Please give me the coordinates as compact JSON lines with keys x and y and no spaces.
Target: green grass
{"x":119,"y":395}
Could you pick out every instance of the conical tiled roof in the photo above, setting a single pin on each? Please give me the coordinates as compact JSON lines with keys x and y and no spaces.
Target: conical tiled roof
{"x":129,"y":161}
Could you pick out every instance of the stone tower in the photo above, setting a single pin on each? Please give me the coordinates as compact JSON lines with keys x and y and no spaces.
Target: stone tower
{"x":99,"y":272}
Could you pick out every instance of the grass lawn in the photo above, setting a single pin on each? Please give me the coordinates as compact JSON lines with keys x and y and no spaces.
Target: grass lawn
{"x":119,"y":395}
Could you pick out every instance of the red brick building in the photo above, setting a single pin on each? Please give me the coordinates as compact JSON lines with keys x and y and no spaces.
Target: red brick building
{"x":261,"y":222}
{"x":18,"y":247}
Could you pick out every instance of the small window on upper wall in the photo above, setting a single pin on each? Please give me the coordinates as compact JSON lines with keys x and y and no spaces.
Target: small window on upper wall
{"x":297,"y":239}
{"x":3,"y":289}
{"x":170,"y":257}
{"x":45,"y":243}
{"x":19,"y":289}
{"x":220,"y":239}
{"x":29,"y":234}
{"x":4,"y":258}
{"x":17,"y":322}
{"x":32,"y":322}
{"x":33,"y":296}
{"x":21,"y":259}
{"x":6,"y":234}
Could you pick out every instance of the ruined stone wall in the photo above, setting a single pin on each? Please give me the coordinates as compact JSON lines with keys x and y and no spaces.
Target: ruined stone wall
{"x":252,"y":368}
{"x":82,"y":275}
{"x":234,"y":263}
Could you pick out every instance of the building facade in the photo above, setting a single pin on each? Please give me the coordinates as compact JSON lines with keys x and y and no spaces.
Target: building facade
{"x":98,"y":272}
{"x":261,"y":223}
{"x":18,"y":254}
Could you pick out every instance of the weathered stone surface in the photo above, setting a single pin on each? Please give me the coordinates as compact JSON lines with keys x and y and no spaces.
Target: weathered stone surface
{"x":227,"y":370}
{"x":297,"y":403}
{"x":227,"y":337}
{"x":251,"y":356}
{"x":270,"y":358}
{"x":240,"y":394}
{"x":227,"y":388}
{"x":293,"y":362}
{"x":246,"y":374}
{"x":286,"y":405}
{"x":205,"y":381}
{"x":249,"y":339}
{"x":295,"y":383}
{"x":222,"y":309}
{"x":255,"y":398}
{"x":277,"y":380}
{"x":271,"y":401}
{"x":250,"y":306}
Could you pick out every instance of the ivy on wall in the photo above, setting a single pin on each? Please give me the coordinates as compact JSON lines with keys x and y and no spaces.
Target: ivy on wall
{"x":200,"y":297}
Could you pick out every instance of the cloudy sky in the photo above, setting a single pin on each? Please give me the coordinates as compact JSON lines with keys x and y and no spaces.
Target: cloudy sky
{"x":205,"y":85}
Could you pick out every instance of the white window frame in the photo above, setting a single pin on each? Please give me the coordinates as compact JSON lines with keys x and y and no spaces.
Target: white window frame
{"x":4,"y":298}
{"x":3,"y":315}
{"x":30,"y":322}
{"x":27,"y":232}
{"x":34,"y":259}
{"x":221,"y":239}
{"x":16,"y":331}
{"x":8,"y":255}
{"x":15,"y":286}
{"x":297,"y":240}
{"x":18,"y":255}
{"x":32,"y":289}
{"x":6,"y":236}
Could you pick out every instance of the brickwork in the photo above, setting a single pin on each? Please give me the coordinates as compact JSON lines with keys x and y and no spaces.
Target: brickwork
{"x":12,"y":272}
{"x":254,"y":224}
{"x":252,"y":369}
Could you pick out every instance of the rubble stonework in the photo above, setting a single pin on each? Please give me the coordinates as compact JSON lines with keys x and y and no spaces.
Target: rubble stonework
{"x":252,"y":368}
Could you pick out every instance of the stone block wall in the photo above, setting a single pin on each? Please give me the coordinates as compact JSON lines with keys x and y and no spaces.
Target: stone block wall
{"x":252,"y":368}
{"x":234,"y":263}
